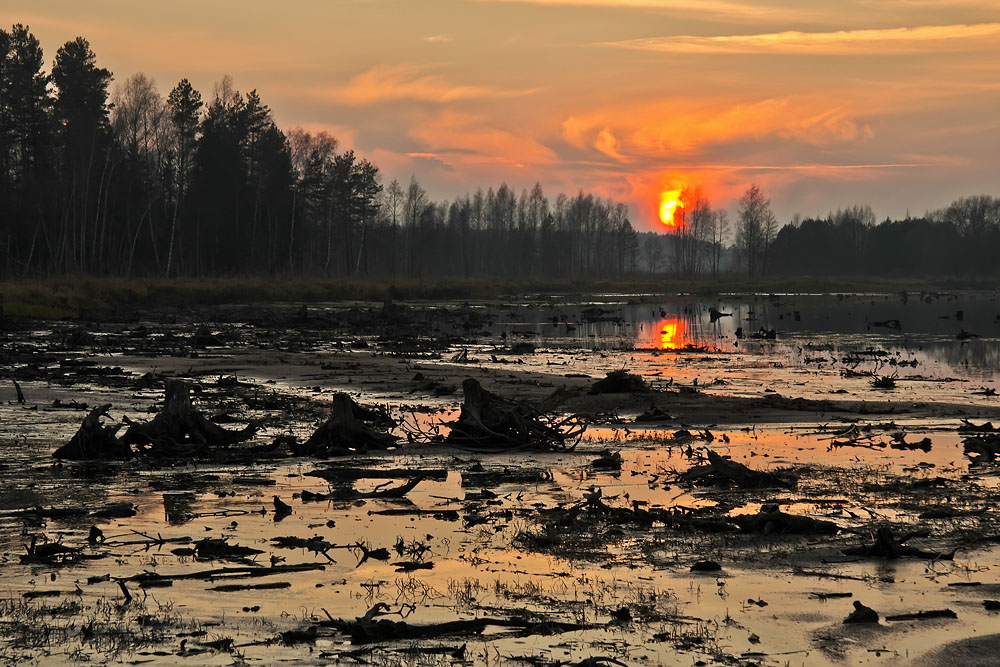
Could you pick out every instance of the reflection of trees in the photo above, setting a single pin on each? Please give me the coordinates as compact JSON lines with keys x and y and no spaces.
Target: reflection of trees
{"x":836,"y":326}
{"x":978,"y":358}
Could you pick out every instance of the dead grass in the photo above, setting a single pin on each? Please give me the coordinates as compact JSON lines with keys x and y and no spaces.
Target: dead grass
{"x":96,"y":298}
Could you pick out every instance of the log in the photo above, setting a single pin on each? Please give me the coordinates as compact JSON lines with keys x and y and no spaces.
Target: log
{"x":721,"y":471}
{"x":772,"y":521}
{"x":887,"y":545}
{"x":923,"y":615}
{"x":367,"y":630}
{"x":227,"y":573}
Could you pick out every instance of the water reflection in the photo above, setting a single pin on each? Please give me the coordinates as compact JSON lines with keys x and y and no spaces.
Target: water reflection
{"x":924,"y":329}
{"x":673,"y":333}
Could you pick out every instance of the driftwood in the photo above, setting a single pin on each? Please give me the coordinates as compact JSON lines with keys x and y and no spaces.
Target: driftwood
{"x":227,"y":573}
{"x":862,"y":614}
{"x":923,"y":615}
{"x":620,"y":382}
{"x":111,"y":511}
{"x":233,"y":588}
{"x":212,"y":548}
{"x":367,"y":629}
{"x":772,"y":521}
{"x":490,"y":421}
{"x":393,"y":493}
{"x":50,"y":553}
{"x":343,"y":433}
{"x":593,"y":507}
{"x":724,"y":472}
{"x":315,"y":544}
{"x":335,"y":475}
{"x":984,"y":447}
{"x":94,"y":440}
{"x":887,"y":545}
{"x":178,"y":429}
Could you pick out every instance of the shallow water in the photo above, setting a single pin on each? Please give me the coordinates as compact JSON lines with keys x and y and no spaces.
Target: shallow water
{"x":482,"y":567}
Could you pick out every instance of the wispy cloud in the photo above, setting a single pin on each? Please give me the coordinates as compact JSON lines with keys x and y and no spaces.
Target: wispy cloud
{"x":438,"y":39}
{"x":468,"y":139}
{"x":843,"y":42}
{"x":683,"y":129}
{"x":400,"y":82}
{"x":727,"y":8}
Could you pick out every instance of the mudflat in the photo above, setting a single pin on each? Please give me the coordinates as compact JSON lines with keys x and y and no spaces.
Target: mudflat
{"x":611,"y":479}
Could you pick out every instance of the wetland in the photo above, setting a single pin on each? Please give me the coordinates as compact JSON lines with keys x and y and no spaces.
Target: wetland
{"x":547,"y":480}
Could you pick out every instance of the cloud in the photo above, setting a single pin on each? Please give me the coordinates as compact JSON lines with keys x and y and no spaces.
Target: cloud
{"x":407,"y":82}
{"x":725,"y":8}
{"x":607,"y":144}
{"x":439,"y":39}
{"x":683,"y":129}
{"x":464,"y":139}
{"x":843,"y":42}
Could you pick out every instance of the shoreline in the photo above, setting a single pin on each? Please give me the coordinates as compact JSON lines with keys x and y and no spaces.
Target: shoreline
{"x":103,"y":298}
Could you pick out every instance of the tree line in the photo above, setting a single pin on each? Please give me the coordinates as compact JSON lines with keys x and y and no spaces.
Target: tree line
{"x":959,"y":240}
{"x":125,"y":181}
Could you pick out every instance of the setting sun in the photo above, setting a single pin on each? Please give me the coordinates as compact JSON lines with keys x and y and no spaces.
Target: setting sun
{"x":670,"y":201}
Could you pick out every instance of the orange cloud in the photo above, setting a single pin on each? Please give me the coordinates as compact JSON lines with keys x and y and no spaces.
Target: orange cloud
{"x":678,"y":129}
{"x":465,"y":139}
{"x":607,"y":144}
{"x":720,"y":7}
{"x":399,"y":82}
{"x":843,"y":42}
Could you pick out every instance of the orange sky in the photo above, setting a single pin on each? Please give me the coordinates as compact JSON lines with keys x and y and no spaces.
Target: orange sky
{"x":891,"y":103}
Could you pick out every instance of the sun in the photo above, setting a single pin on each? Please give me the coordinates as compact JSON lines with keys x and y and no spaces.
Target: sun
{"x":670,"y":201}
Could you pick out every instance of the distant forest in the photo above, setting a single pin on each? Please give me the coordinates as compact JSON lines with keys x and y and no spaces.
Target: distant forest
{"x":123,"y":181}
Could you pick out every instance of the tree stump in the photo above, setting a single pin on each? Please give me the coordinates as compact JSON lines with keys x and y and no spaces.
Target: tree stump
{"x":343,"y":433}
{"x":178,"y":429}
{"x":95,"y":440}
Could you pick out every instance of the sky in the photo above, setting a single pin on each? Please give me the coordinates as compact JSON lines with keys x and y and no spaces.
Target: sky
{"x":822,"y":103}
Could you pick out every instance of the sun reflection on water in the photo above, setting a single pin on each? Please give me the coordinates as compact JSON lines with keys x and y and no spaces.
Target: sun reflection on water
{"x":673,"y":333}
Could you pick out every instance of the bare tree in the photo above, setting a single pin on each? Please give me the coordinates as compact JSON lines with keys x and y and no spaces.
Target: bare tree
{"x":755,"y":230}
{"x":692,"y":232}
{"x":413,"y":208}
{"x":653,"y":248}
{"x":719,"y":234}
{"x":393,"y":204}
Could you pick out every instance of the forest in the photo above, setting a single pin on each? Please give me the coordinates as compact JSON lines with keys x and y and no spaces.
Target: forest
{"x":122,"y":181}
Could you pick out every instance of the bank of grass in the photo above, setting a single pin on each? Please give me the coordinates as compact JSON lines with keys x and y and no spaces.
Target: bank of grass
{"x":84,"y":297}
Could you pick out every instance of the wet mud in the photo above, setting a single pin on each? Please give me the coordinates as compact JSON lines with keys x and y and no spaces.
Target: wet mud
{"x":627,"y":479}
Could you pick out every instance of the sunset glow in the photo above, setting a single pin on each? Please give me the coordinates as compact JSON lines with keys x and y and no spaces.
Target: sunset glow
{"x":673,"y":334}
{"x":889,"y":104}
{"x":670,"y":201}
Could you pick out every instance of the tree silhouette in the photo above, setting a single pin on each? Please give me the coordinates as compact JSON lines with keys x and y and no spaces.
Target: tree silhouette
{"x":82,"y":116}
{"x":756,"y":229}
{"x":184,"y":106}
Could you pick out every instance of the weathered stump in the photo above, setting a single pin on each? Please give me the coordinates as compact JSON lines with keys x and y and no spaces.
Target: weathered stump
{"x":489,"y":421}
{"x":343,"y":433}
{"x":178,"y":429}
{"x":94,"y":440}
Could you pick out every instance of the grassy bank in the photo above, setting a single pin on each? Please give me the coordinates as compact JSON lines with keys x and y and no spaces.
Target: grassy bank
{"x":81,"y":297}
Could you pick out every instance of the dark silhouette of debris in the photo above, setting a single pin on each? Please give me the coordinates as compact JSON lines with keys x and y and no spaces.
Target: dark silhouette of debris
{"x":862,"y":614}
